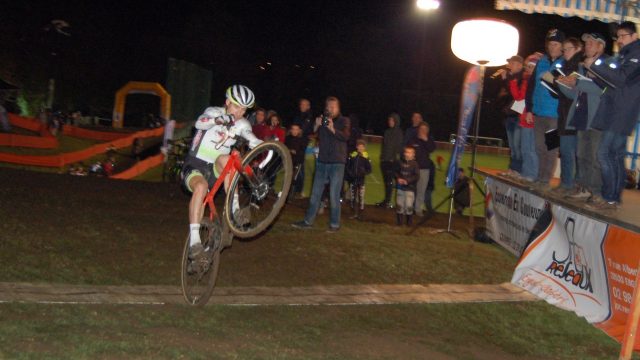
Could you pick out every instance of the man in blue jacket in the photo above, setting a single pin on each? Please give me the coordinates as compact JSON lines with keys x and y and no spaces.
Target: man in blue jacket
{"x":542,"y":105}
{"x":618,"y":112}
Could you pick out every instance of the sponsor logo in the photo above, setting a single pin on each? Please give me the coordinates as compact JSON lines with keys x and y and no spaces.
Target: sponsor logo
{"x":573,"y":267}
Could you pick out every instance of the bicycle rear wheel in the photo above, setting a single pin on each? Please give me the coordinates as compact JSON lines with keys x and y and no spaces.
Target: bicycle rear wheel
{"x":254,"y":200}
{"x":199,"y":277}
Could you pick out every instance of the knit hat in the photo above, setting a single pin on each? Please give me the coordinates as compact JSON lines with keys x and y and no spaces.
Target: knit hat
{"x":555,"y":35}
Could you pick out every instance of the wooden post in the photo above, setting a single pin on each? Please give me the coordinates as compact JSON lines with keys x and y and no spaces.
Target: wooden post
{"x":631,"y":327}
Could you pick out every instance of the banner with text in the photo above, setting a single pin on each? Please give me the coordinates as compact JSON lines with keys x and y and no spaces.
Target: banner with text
{"x":571,"y":260}
{"x":511,"y":214}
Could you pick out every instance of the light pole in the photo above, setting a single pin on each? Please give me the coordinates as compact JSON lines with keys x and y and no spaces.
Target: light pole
{"x":425,"y":6}
{"x":482,"y":42}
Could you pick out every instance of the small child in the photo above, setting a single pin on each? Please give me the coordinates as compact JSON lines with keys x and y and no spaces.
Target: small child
{"x":407,"y":174}
{"x":358,"y":166}
{"x":297,"y":145}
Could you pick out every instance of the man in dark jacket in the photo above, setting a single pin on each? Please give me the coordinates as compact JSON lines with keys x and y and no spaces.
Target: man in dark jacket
{"x":333,"y":132}
{"x":617,"y":113}
{"x":412,"y":131}
{"x":304,"y":119}
{"x":391,"y":148}
{"x":297,"y":145}
{"x":424,"y":145}
{"x":586,"y":93}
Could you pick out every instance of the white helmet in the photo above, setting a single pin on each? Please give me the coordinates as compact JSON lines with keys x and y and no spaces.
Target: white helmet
{"x":241,"y":95}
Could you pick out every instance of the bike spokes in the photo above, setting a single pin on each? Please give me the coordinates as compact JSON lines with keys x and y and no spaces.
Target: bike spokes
{"x":199,"y":275}
{"x":256,"y":196}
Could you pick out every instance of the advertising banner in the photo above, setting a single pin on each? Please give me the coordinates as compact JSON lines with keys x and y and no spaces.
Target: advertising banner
{"x":570,"y":260}
{"x":470,"y":93}
{"x":511,"y":214}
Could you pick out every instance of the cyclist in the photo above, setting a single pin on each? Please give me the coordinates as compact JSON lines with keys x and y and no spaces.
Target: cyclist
{"x":217,"y":129}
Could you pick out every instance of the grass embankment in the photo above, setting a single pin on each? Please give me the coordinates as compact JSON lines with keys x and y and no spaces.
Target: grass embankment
{"x":66,"y":229}
{"x":468,"y":331}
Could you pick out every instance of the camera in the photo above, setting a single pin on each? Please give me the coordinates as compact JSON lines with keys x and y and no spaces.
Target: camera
{"x":325,"y":118}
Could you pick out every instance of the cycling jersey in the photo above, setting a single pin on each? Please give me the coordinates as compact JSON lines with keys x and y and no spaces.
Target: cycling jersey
{"x":215,"y":137}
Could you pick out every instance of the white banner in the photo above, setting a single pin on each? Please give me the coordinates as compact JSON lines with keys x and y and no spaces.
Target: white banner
{"x":511,"y":214}
{"x":565,"y":265}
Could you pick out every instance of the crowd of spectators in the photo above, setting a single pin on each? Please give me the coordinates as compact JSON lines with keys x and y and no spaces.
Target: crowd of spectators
{"x":341,"y":158}
{"x":576,"y":102}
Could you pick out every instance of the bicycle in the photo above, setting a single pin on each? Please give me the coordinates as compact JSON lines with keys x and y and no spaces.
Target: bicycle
{"x":261,"y":180}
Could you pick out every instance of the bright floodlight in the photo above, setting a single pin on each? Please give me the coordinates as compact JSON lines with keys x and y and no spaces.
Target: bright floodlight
{"x":484,"y":41}
{"x":428,"y":4}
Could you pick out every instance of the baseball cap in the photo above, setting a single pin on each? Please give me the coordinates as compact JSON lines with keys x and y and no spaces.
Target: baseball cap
{"x":517,"y":58}
{"x":594,"y":36}
{"x":555,"y":35}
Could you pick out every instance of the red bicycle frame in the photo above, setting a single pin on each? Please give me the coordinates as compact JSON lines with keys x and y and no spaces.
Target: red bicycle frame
{"x":233,"y":164}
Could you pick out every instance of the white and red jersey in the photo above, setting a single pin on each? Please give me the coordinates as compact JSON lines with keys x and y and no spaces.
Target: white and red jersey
{"x":217,"y":133}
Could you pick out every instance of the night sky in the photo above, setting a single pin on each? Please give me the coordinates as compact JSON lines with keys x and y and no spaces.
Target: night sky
{"x":368,"y":53}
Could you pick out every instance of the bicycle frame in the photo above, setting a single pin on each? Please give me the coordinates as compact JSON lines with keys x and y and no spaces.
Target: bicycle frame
{"x":233,"y":165}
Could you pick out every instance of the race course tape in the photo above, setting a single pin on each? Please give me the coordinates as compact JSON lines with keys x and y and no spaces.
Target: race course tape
{"x":61,"y":160}
{"x":140,"y":167}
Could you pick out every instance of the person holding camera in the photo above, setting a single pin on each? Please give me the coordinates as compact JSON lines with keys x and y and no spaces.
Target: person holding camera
{"x":333,"y":131}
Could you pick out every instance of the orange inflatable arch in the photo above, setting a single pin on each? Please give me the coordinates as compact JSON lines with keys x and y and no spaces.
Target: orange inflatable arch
{"x":139,"y":87}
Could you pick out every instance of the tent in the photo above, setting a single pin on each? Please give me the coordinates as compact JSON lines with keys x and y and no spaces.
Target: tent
{"x":608,"y":11}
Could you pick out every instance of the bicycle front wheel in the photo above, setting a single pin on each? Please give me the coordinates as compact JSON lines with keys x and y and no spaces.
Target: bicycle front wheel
{"x":257,"y":193}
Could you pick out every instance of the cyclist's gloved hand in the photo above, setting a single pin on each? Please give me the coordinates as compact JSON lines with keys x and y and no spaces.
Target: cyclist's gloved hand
{"x":224,"y":119}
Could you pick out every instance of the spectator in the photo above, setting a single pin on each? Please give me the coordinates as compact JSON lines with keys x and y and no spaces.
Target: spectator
{"x":424,"y":146}
{"x":389,"y":155}
{"x":431,"y":185}
{"x":518,"y":90}
{"x":412,"y":131}
{"x":358,"y":166}
{"x":586,"y":99}
{"x":461,"y":193}
{"x":297,"y":145}
{"x":542,"y":105}
{"x":512,"y":120}
{"x":573,"y":55}
{"x":617,"y":113}
{"x":260,"y":129}
{"x":304,"y":119}
{"x":108,"y":166}
{"x":275,"y":131}
{"x":407,"y":173}
{"x":333,"y":132}
{"x":356,"y":133}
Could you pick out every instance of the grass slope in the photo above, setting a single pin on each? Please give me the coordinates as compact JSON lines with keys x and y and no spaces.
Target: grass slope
{"x":65,"y":229}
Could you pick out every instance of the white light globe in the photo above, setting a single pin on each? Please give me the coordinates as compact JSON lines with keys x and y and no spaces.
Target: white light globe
{"x":428,"y":4}
{"x":485,"y":42}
